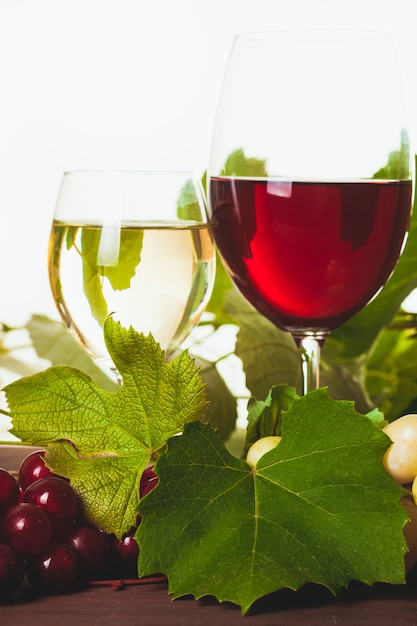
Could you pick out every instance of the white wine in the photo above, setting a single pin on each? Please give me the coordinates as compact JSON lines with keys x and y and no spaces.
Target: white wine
{"x":157,"y":279}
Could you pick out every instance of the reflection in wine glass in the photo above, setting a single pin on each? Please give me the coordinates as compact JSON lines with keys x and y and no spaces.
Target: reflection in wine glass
{"x":132,"y":244}
{"x":309,"y":177}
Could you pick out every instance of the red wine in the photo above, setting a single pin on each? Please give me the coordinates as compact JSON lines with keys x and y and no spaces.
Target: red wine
{"x":309,"y":254}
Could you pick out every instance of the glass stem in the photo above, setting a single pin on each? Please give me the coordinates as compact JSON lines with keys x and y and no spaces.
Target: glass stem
{"x":310,"y":343}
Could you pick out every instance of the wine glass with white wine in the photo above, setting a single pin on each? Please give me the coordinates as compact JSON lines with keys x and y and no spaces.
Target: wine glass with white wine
{"x":134,"y":244}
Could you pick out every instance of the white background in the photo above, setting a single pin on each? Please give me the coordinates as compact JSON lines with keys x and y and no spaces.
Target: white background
{"x":128,"y":84}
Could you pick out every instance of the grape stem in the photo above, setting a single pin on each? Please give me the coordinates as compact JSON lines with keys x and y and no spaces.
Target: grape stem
{"x":120,"y":584}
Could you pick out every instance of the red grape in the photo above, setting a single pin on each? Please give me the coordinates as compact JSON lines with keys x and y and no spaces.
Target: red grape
{"x":9,"y":491}
{"x":57,"y":498}
{"x":27,"y":528}
{"x":41,"y":535}
{"x":54,"y":570}
{"x":33,"y":468}
{"x":125,"y":555}
{"x":12,"y":570}
{"x":148,"y":481}
{"x":92,"y":548}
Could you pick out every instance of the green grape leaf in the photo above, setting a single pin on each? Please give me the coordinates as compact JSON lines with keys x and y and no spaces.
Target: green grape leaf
{"x":269,"y":355}
{"x":318,"y":508}
{"x":188,"y":206}
{"x":222,"y":409}
{"x":377,"y":418}
{"x":398,"y":165}
{"x":391,"y":368}
{"x":238,"y":164}
{"x":103,"y":440}
{"x":265,"y":418}
{"x":222,"y":285}
{"x":53,"y":342}
{"x":117,"y":262}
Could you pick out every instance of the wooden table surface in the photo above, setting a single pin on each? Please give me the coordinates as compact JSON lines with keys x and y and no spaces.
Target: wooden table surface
{"x":150,"y":605}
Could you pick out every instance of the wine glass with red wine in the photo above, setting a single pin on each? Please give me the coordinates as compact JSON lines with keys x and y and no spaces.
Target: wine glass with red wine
{"x":310,"y":177}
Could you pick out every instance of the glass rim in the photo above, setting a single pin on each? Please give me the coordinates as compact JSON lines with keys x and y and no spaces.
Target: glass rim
{"x":129,"y":172}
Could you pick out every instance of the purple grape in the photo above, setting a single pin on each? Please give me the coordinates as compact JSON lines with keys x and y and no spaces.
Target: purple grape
{"x":12,"y":570}
{"x":92,"y":548}
{"x":33,"y":468}
{"x":53,"y":571}
{"x":125,"y":553}
{"x":57,"y":498}
{"x":148,"y":481}
{"x":9,"y":491}
{"x":27,"y":529}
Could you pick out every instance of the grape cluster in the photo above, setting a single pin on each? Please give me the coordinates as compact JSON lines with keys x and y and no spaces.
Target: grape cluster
{"x":46,"y":538}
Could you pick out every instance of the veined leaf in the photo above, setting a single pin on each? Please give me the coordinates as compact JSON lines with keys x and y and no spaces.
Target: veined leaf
{"x":103,"y":440}
{"x":53,"y":342}
{"x":317,"y":508}
{"x":222,"y":410}
{"x":269,"y":355}
{"x":265,"y":418}
{"x":391,"y":371}
{"x":119,"y":269}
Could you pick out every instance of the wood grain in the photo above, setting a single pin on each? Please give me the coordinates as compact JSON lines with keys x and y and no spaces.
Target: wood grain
{"x":150,"y":605}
